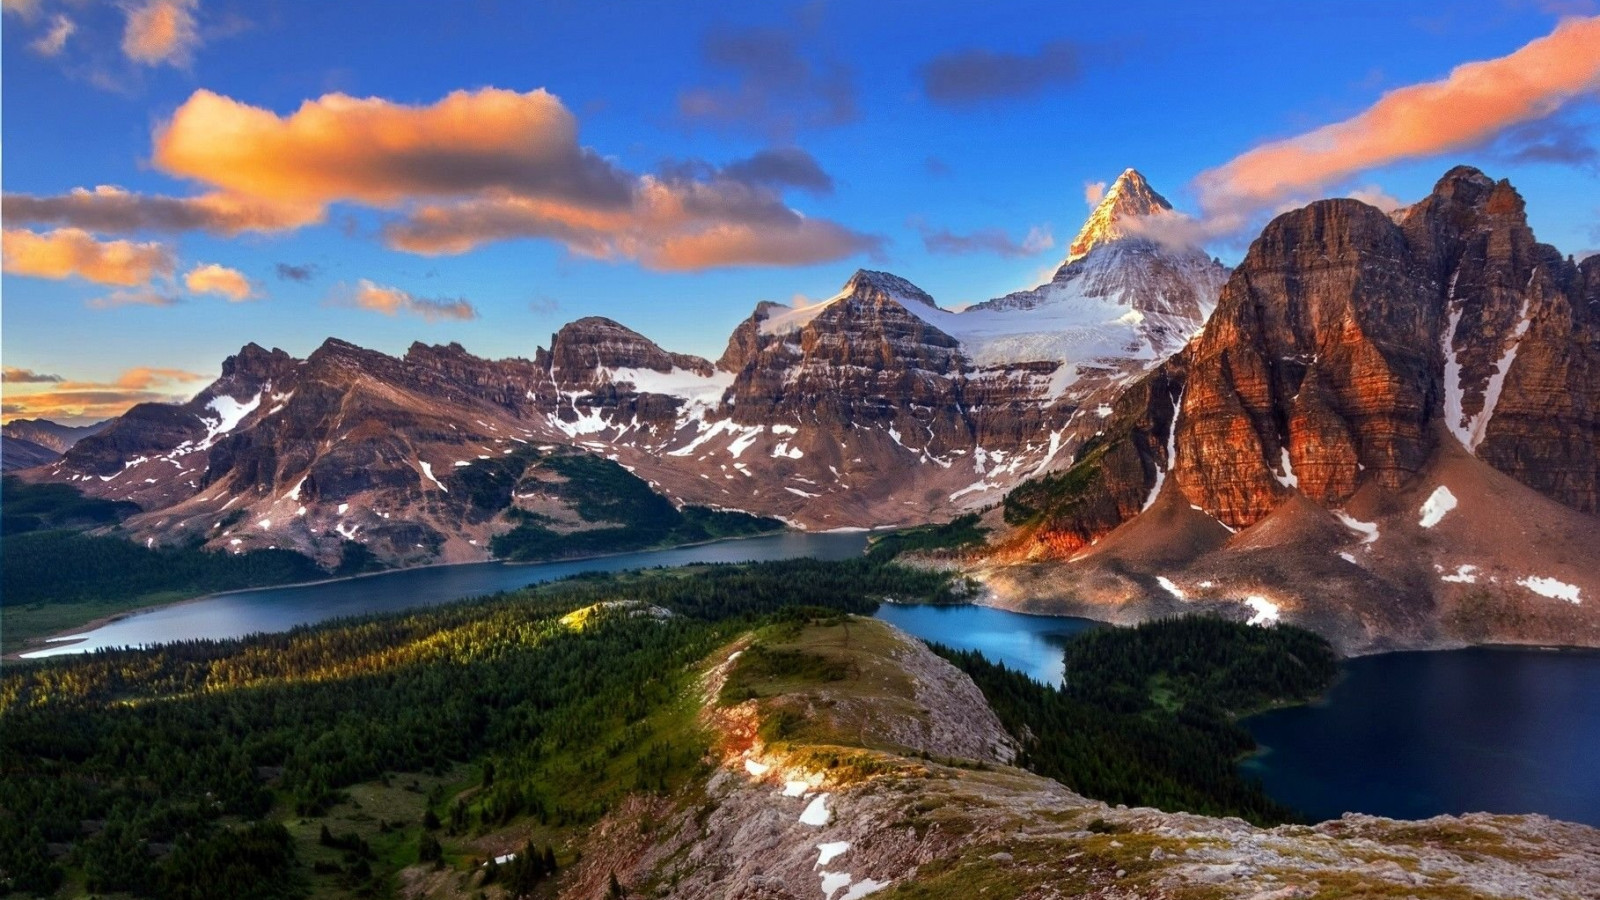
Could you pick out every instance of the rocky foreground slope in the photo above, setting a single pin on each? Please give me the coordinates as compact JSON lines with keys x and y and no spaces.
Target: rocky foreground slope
{"x":874,"y":407}
{"x":900,"y":786}
{"x":1387,"y":431}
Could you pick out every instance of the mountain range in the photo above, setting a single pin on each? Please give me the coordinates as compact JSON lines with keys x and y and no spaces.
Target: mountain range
{"x":25,"y":443}
{"x":1383,"y":424}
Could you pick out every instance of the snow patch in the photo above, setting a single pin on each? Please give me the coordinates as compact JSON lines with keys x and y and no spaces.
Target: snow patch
{"x":755,"y":768}
{"x":1438,"y":503}
{"x":230,"y":413}
{"x":829,"y":851}
{"x":1550,"y":587}
{"x":1172,"y":453}
{"x":1171,"y":588}
{"x":816,"y":813}
{"x":427,"y":470}
{"x":796,"y":788}
{"x":1479,"y":426}
{"x":1286,"y":477}
{"x":1463,"y":575}
{"x":1266,"y":612}
{"x":834,"y":882}
{"x":1369,"y":530}
{"x":864,"y":887}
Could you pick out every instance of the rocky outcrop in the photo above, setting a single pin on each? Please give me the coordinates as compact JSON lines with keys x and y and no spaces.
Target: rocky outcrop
{"x":1316,"y":367}
{"x":936,"y":819}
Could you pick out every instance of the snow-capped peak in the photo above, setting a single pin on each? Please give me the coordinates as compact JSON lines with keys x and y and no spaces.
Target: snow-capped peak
{"x":1157,"y":296}
{"x":1129,"y":197}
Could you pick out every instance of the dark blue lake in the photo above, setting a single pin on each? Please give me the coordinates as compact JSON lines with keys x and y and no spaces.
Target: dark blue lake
{"x":1411,"y":735}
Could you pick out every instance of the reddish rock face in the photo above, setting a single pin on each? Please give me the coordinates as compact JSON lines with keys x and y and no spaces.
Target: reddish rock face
{"x":1320,"y":348}
{"x":1347,"y":345}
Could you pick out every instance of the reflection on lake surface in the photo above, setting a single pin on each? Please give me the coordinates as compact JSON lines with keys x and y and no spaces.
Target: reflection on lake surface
{"x":282,"y":608}
{"x":1029,"y":644}
{"x":1412,"y":735}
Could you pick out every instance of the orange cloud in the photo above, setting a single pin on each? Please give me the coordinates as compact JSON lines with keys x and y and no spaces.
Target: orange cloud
{"x":144,"y":378}
{"x":79,"y":407}
{"x":73,"y":252}
{"x":474,"y":167}
{"x":161,"y":31}
{"x":489,"y":165}
{"x":1471,"y":106}
{"x":85,"y":401}
{"x":111,"y":209}
{"x":391,"y":301}
{"x":214,"y":279}
{"x":382,"y":153}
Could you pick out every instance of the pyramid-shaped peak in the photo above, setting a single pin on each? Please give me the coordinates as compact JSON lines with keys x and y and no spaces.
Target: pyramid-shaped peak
{"x":899,"y":288}
{"x":1129,"y":197}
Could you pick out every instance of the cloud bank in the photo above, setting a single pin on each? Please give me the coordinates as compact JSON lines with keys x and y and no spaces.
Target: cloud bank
{"x":75,"y":402}
{"x":471,"y":168}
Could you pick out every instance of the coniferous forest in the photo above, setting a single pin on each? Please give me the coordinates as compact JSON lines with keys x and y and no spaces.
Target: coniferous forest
{"x":1147,"y":715}
{"x":181,"y":771}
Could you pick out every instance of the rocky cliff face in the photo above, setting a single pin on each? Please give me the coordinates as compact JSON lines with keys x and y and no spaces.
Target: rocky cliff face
{"x":1353,"y":358}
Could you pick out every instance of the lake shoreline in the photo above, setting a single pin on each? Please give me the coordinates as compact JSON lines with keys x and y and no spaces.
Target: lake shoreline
{"x":65,"y":636}
{"x":1118,"y":616}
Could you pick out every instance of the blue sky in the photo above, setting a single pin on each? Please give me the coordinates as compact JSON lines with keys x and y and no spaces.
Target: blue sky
{"x":925,"y":117}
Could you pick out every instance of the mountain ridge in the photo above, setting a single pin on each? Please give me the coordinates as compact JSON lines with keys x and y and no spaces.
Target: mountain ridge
{"x":874,"y":407}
